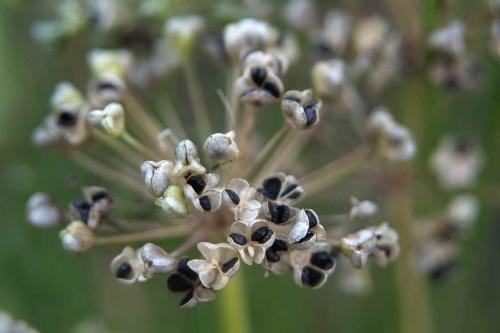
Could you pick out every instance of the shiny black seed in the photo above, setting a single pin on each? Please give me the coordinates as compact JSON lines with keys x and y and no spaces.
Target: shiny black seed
{"x":295,"y":194}
{"x":262,"y":235}
{"x":272,"y":256}
{"x":83,"y":209}
{"x":123,"y":270}
{"x":307,"y":237}
{"x":238,"y":239}
{"x":311,"y":277}
{"x":99,"y":196}
{"x":322,"y":260}
{"x":197,"y":182}
{"x":293,"y":98}
{"x":271,"y":188}
{"x":187,"y":298}
{"x":233,"y":196}
{"x":311,"y":116}
{"x":313,"y":221}
{"x":205,"y":203}
{"x":279,"y":245}
{"x":289,"y":189}
{"x":443,"y":271}
{"x":66,"y":119}
{"x":271,"y":89}
{"x":103,"y":86}
{"x":183,"y":268}
{"x":258,"y":75}
{"x":176,"y":283}
{"x":279,"y":213}
{"x":311,"y":103}
{"x":228,"y":265}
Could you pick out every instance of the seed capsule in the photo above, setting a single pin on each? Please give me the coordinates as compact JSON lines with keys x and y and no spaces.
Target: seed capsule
{"x":77,"y":237}
{"x":221,"y":148}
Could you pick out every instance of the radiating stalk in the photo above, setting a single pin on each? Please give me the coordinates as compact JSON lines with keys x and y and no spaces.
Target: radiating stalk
{"x":197,"y":99}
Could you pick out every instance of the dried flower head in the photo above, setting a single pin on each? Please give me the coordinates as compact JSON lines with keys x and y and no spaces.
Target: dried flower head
{"x":235,"y":203}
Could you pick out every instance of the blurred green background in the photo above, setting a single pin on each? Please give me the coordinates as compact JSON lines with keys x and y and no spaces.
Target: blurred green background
{"x":54,"y":291}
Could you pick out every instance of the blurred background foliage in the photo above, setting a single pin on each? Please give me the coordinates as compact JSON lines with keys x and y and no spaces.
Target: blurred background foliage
{"x":55,"y":291}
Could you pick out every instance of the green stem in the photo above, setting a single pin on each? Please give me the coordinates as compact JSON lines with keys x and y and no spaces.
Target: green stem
{"x":197,"y":99}
{"x":233,"y":307}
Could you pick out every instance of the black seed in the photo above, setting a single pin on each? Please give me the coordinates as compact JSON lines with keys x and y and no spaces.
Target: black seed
{"x":271,"y":89}
{"x":279,"y":213}
{"x":258,"y":75}
{"x":279,"y":245}
{"x":187,"y":298}
{"x":293,"y":98}
{"x":322,"y":260}
{"x":197,"y":182}
{"x":176,"y":283}
{"x":103,"y":86}
{"x":233,"y":196}
{"x":271,"y":188}
{"x":123,"y":270}
{"x":228,"y":265}
{"x":311,"y":277}
{"x":83,"y":209}
{"x":66,"y":119}
{"x":238,"y":239}
{"x":272,"y":256}
{"x":443,"y":271}
{"x":313,"y":221}
{"x":262,"y":235}
{"x":289,"y":189}
{"x":311,"y":116}
{"x":311,"y":103}
{"x":205,"y":203}
{"x":307,"y":237}
{"x":295,"y":194}
{"x":99,"y":196}
{"x":183,"y":268}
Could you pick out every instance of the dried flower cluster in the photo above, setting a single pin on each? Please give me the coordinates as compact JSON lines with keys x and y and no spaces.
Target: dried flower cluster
{"x":456,"y":163}
{"x":225,"y":193}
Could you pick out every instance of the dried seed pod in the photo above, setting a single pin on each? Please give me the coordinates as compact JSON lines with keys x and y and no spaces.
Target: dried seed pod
{"x":77,"y":237}
{"x":106,"y":63}
{"x":156,"y":176}
{"x":111,"y":119}
{"x":300,"y":109}
{"x":247,"y":35}
{"x":220,"y":264}
{"x":221,"y":148}
{"x":42,"y":211}
{"x":173,"y":202}
{"x":362,"y":209}
{"x":329,"y":77}
{"x":187,"y":161}
{"x":182,"y":31}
